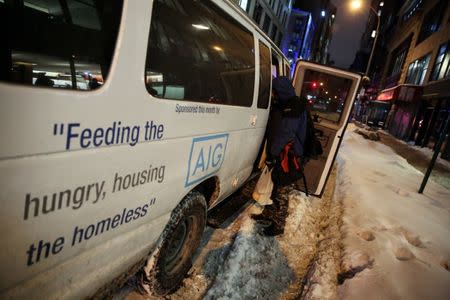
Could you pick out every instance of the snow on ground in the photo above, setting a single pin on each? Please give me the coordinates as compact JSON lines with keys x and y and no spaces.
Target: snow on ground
{"x":260,"y":267}
{"x":396,"y":241}
{"x":429,"y":154}
{"x":420,"y":158}
{"x":255,"y":268}
{"x":236,"y":262}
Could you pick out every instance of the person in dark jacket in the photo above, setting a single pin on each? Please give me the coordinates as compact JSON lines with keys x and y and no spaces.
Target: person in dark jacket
{"x":286,"y":126}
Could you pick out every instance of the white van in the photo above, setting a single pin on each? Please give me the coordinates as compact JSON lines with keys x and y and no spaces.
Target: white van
{"x":168,"y":122}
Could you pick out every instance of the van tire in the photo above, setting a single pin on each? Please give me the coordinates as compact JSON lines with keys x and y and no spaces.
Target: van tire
{"x":171,"y":260}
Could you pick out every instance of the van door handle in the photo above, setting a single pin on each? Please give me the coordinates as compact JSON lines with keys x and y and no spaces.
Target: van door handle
{"x":253,"y":119}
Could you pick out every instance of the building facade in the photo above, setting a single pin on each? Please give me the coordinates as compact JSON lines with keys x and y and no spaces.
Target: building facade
{"x":299,"y":36}
{"x":304,"y":32}
{"x":323,"y":14}
{"x":387,"y":12}
{"x":417,"y":62}
{"x":270,"y":15}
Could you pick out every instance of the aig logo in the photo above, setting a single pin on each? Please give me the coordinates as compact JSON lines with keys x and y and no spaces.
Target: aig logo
{"x":206,"y":158}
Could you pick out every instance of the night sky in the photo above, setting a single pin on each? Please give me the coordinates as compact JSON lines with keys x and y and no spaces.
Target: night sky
{"x":347,"y":31}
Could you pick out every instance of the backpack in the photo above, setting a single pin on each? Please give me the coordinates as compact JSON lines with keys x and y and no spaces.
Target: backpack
{"x":291,"y":167}
{"x":312,"y":147}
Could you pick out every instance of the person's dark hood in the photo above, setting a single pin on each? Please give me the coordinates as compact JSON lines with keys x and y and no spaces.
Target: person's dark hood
{"x":284,"y":89}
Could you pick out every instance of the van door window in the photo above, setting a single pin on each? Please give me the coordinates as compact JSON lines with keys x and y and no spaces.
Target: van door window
{"x":197,"y":52}
{"x":264,"y":76}
{"x":326,"y":94}
{"x":58,"y":43}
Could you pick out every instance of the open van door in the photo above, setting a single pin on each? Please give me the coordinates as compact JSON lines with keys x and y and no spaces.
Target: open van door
{"x":330,"y":93}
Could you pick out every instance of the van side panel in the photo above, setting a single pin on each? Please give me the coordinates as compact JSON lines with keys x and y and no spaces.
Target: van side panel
{"x":88,"y":179}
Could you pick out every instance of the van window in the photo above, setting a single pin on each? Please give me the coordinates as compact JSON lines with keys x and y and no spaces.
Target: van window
{"x":197,"y":52}
{"x":264,"y":76}
{"x":287,"y":71}
{"x":326,"y":94}
{"x":58,"y":43}
{"x":275,"y":66}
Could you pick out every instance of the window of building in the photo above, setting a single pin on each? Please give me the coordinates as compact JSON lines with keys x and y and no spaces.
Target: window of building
{"x":244,"y":4}
{"x":273,"y":32}
{"x":65,"y":44}
{"x":257,"y":14}
{"x":266,"y":24}
{"x":441,"y":68}
{"x":280,"y":6}
{"x":197,"y":52}
{"x":411,"y":9}
{"x":417,"y":70}
{"x":283,"y":22}
{"x":432,"y":20}
{"x":279,"y":39}
{"x":398,"y":63}
{"x":264,"y":76}
{"x":399,"y":56}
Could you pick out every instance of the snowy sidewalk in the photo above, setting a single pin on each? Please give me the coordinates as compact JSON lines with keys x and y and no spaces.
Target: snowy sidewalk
{"x":397,"y":242}
{"x":419,"y":158}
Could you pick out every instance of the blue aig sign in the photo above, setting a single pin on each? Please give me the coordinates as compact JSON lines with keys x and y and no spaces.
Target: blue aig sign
{"x":206,"y":157}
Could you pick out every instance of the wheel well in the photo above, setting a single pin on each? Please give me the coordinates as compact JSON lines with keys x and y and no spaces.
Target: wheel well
{"x":210,"y":188}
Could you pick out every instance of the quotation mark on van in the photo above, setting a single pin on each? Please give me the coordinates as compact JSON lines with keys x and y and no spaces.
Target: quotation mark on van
{"x":206,"y":157}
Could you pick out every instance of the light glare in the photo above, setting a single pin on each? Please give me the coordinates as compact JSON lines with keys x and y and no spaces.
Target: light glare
{"x":200,"y":27}
{"x":355,"y":4}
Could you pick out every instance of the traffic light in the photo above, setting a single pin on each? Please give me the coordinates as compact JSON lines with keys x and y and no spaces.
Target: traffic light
{"x":314,"y":84}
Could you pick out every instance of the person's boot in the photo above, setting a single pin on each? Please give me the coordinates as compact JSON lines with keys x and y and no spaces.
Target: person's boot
{"x":273,"y":229}
{"x":266,"y":215}
{"x":278,"y":217}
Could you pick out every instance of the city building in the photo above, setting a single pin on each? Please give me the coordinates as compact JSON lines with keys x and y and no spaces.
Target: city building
{"x":299,"y":36}
{"x":323,"y":14}
{"x":387,"y":11}
{"x":304,"y":32}
{"x":367,"y":109}
{"x":270,"y":15}
{"x":415,"y":76}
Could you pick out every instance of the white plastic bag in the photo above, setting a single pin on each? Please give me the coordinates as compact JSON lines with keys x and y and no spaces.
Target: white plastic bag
{"x":263,"y":188}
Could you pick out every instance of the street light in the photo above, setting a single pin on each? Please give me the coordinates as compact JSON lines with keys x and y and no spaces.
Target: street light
{"x":357,"y":4}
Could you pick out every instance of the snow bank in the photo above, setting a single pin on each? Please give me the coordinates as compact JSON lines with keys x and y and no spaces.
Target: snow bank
{"x":260,"y":267}
{"x":396,"y":241}
{"x":256,"y":268}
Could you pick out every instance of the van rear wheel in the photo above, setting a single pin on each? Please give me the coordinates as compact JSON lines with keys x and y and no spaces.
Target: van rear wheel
{"x":171,"y":260}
